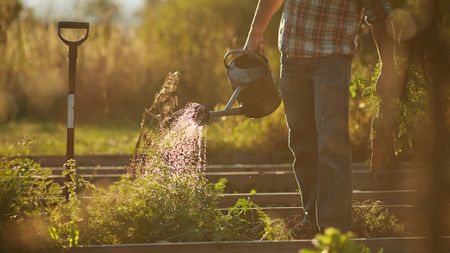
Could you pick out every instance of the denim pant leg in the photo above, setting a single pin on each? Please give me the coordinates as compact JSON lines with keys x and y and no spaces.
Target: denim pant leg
{"x":331,"y":78}
{"x":298,"y":96}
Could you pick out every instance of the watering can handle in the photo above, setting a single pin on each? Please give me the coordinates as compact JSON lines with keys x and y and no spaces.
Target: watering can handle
{"x":73,"y":25}
{"x":241,"y":52}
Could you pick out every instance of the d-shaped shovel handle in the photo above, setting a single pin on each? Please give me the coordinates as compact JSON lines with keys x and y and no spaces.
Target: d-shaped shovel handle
{"x":73,"y":25}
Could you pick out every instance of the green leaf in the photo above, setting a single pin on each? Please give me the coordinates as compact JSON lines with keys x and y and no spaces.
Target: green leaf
{"x":308,"y":251}
{"x":352,"y":90}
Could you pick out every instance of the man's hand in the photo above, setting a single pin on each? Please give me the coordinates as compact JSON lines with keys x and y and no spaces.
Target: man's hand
{"x":263,"y":14}
{"x":254,"y":43}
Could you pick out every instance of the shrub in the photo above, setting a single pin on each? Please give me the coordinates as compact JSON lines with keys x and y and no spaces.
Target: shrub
{"x":155,"y":207}
{"x":170,"y":208}
{"x":246,"y":221}
{"x":370,"y":220}
{"x":26,"y":194}
{"x":373,"y":220}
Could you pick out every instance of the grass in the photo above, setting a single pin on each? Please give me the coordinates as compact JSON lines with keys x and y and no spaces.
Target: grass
{"x":229,"y":139}
{"x":225,"y":136}
{"x":235,"y":138}
{"x":50,"y":138}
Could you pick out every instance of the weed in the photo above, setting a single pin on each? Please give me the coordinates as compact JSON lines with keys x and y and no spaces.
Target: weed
{"x":373,"y":220}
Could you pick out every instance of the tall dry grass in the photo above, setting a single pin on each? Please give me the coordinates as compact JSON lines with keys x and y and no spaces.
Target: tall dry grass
{"x":120,"y":69}
{"x":112,"y":79}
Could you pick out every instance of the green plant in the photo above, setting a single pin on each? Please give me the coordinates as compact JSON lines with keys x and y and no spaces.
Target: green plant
{"x":334,"y":241}
{"x":25,"y":190}
{"x":371,"y":219}
{"x":171,"y":207}
{"x":66,"y":216}
{"x":247,"y":221}
{"x":155,"y":207}
{"x":64,"y":223}
{"x":413,"y":110}
{"x":26,"y":195}
{"x":363,"y":106}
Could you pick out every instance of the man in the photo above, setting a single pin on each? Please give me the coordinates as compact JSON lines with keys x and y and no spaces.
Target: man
{"x":317,"y":43}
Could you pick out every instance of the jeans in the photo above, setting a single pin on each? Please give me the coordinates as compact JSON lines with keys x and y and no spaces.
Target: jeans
{"x":315,"y":92}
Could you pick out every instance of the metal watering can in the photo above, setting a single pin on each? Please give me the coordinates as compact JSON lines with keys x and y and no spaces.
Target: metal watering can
{"x":253,"y":86}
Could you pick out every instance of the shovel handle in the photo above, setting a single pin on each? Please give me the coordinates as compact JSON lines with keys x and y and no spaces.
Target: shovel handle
{"x":73,"y":25}
{"x":238,"y":52}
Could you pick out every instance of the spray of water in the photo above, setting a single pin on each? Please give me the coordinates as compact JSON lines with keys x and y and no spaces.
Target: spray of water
{"x":184,"y":144}
{"x":178,"y":144}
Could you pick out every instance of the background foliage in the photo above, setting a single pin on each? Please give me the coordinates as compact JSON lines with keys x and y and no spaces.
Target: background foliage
{"x":120,"y":68}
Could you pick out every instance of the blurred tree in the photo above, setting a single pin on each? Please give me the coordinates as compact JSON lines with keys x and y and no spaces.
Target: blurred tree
{"x":9,"y":10}
{"x":192,"y":37}
{"x":104,"y":12}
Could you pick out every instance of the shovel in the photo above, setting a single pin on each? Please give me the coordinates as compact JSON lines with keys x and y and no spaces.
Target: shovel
{"x":73,"y":52}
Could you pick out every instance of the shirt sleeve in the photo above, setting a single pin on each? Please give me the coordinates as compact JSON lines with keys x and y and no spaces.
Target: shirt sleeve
{"x":376,"y":10}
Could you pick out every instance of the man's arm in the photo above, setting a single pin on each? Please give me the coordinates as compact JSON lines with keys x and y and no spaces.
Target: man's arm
{"x":393,"y":58}
{"x":389,"y":83}
{"x":263,"y":14}
{"x":392,"y":55}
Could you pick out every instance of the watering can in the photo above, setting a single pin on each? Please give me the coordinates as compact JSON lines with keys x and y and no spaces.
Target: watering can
{"x":253,"y":86}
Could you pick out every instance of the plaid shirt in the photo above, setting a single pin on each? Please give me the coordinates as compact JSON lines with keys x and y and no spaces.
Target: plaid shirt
{"x":313,"y":28}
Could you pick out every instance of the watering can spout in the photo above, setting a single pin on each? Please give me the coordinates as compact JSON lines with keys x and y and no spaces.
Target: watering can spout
{"x":229,"y":112}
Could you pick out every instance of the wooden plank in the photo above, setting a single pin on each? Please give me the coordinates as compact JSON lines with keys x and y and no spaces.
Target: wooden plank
{"x":390,"y":245}
{"x":199,"y":247}
{"x":414,"y":217}
{"x":404,"y":169}
{"x":288,"y":167}
{"x":93,"y":170}
{"x":82,"y":160}
{"x":391,"y":197}
{"x":293,"y":199}
{"x":283,"y":181}
{"x":289,"y":199}
{"x":279,"y":181}
{"x":234,"y":167}
{"x":124,"y":160}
